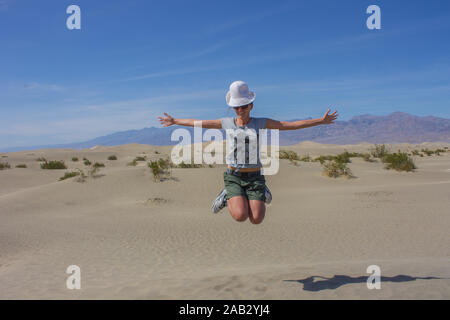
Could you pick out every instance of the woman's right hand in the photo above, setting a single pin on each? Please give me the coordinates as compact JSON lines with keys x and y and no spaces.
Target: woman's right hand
{"x":167,"y":120}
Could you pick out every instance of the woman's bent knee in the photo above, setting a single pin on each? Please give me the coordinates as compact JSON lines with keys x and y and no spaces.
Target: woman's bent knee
{"x":258,"y":219}
{"x":239,"y":215}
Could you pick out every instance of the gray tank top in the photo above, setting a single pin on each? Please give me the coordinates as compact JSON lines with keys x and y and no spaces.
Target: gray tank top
{"x":243,"y":142}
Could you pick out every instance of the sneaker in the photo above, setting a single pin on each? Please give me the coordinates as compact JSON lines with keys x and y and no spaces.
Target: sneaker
{"x":220,"y":202}
{"x":268,"y":196}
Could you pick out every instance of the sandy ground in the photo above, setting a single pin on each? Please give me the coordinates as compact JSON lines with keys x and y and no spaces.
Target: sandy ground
{"x":319,"y":236}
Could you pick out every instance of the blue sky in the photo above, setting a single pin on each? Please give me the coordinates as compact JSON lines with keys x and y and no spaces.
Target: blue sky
{"x":133,"y":60}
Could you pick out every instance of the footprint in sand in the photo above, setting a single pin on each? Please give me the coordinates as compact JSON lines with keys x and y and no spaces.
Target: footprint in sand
{"x":373,"y":199}
{"x":156,"y":201}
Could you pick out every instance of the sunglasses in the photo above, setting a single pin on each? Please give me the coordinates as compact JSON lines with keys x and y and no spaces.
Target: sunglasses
{"x":242,"y":107}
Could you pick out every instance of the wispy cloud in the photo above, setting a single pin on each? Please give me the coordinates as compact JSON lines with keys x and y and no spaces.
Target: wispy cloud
{"x":4,"y":4}
{"x":248,"y":18}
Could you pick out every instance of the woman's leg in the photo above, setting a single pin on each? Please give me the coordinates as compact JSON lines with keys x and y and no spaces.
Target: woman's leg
{"x":257,"y":211}
{"x":238,"y":207}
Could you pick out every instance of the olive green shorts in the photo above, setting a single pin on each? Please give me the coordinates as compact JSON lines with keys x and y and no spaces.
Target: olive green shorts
{"x":253,"y":188}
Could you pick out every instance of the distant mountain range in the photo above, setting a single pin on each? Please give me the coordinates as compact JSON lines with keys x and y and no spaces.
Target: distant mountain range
{"x":397,"y":127}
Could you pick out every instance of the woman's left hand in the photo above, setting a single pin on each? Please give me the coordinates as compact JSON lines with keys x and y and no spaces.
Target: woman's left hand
{"x":329,"y":118}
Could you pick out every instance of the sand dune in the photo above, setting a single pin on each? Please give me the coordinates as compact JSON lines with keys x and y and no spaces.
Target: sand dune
{"x":134,"y":238}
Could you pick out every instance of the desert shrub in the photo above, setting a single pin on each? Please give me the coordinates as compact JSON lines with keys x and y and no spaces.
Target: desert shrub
{"x":74,"y":159}
{"x":156,"y":152}
{"x":367,"y":157}
{"x":334,"y":169}
{"x":427,"y":152}
{"x":379,"y":151}
{"x":22,"y":165}
{"x":399,"y":161}
{"x":322,"y":159}
{"x":4,"y":165}
{"x":183,"y":165}
{"x":52,"y":165}
{"x":113,"y":157}
{"x":306,"y":158}
{"x":41,"y":159}
{"x":161,"y":169}
{"x":135,"y":160}
{"x":343,"y":157}
{"x":98,"y":165}
{"x":415,"y":153}
{"x":288,"y":154}
{"x":87,"y":162}
{"x":68,"y":175}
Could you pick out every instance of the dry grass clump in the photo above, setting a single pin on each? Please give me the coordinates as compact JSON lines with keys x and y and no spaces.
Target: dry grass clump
{"x":68,"y":175}
{"x":98,"y":165}
{"x":379,"y":151}
{"x":183,"y":165}
{"x":335,"y":168}
{"x":22,"y":165}
{"x":41,"y":159}
{"x":399,"y":161}
{"x":4,"y":165}
{"x":288,"y":154}
{"x":161,"y":169}
{"x":135,"y":161}
{"x":53,"y":165}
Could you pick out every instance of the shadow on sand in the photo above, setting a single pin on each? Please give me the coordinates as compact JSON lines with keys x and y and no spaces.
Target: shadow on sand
{"x":339,"y":280}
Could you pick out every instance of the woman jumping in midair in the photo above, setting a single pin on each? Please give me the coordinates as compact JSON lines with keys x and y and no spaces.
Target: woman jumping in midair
{"x":245,"y":191}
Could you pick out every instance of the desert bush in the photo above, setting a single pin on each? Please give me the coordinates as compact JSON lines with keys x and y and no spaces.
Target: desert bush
{"x":379,"y":151}
{"x":41,"y":159}
{"x":113,"y":157}
{"x":68,"y":175}
{"x":288,"y":154}
{"x":334,"y":169}
{"x":342,"y":157}
{"x":52,"y":165}
{"x":4,"y":165}
{"x":22,"y":165}
{"x":367,"y":157}
{"x":183,"y":165}
{"x":306,"y":158}
{"x":399,"y":161}
{"x":415,"y":153}
{"x":135,"y":160}
{"x":161,"y":169}
{"x":86,"y":162}
{"x":427,"y":152}
{"x":74,"y":159}
{"x":322,"y":159}
{"x":98,"y":165}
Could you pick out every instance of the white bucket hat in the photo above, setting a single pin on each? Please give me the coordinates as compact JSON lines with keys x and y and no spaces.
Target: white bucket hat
{"x":239,"y":94}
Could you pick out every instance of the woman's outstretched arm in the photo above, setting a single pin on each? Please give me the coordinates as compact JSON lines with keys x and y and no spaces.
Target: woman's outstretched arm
{"x":209,"y":124}
{"x":300,"y":124}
